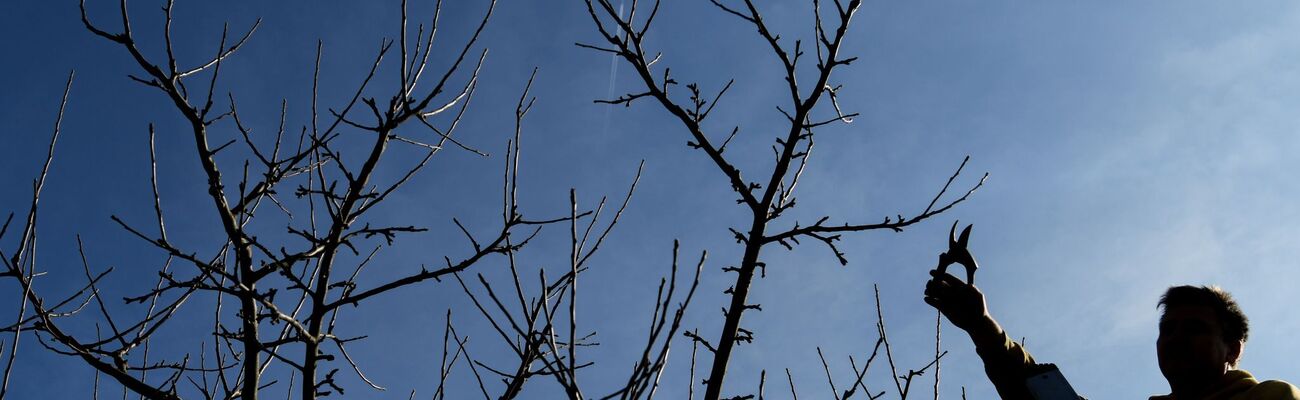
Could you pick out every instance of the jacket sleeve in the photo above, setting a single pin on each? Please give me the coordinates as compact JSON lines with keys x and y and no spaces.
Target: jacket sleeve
{"x":1275,"y":390}
{"x":1006,"y":363}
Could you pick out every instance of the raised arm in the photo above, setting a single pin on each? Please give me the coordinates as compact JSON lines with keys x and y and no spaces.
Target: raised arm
{"x":1005,"y":361}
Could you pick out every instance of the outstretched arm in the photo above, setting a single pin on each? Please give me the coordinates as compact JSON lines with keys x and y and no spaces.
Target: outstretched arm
{"x":1005,"y":361}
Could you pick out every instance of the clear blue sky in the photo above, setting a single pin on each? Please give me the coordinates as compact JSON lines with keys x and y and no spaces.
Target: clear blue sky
{"x":1130,"y":147}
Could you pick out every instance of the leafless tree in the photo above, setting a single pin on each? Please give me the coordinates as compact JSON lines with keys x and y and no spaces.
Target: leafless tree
{"x":289,"y":286}
{"x":624,"y":35}
{"x":287,"y":293}
{"x":533,"y":325}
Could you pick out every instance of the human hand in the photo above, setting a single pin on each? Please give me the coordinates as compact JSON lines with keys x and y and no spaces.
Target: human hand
{"x":962,"y":303}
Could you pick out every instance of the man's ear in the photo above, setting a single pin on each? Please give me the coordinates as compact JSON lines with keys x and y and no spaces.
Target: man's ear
{"x":1234,"y":352}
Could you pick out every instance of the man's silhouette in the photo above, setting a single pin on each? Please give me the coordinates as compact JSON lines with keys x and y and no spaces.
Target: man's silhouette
{"x":1202,"y":333}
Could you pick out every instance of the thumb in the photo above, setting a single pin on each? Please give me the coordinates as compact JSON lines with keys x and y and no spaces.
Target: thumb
{"x":933,"y":302}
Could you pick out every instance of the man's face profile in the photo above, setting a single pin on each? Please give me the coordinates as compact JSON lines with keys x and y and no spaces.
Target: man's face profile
{"x":1191,"y":346}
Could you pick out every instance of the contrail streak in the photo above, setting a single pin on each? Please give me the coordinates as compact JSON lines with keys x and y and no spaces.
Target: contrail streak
{"x":613,"y":71}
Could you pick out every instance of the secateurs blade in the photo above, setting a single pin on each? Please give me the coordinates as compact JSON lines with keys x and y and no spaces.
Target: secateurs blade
{"x":958,"y":253}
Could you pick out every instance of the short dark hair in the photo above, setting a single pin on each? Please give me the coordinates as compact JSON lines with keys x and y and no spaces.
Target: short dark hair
{"x":1231,"y":319}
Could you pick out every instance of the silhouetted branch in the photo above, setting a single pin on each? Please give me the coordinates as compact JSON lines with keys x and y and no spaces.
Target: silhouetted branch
{"x":625,"y":38}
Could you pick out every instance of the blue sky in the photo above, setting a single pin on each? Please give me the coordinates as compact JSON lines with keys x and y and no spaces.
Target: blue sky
{"x":1130,"y":147}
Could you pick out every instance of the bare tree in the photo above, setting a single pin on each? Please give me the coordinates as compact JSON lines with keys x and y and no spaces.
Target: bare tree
{"x":534,"y":325}
{"x":624,"y":35}
{"x":287,"y":293}
{"x":290,"y":282}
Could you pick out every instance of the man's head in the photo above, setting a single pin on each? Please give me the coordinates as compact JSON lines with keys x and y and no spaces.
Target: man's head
{"x":1202,"y":332}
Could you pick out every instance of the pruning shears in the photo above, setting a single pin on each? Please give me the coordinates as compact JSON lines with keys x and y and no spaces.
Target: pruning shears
{"x":958,"y":254}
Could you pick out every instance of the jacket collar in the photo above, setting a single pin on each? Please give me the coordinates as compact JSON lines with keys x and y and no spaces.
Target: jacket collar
{"x":1235,"y":381}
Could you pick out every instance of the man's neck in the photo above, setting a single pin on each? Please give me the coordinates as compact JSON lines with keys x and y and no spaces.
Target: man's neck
{"x":1198,"y":388}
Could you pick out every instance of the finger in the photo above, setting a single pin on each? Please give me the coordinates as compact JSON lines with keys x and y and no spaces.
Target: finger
{"x":934,"y":286}
{"x":933,"y":302}
{"x":944,"y":278}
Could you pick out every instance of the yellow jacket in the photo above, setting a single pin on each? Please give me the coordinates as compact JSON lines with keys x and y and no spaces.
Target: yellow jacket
{"x":1007,"y":364}
{"x":1242,"y":386}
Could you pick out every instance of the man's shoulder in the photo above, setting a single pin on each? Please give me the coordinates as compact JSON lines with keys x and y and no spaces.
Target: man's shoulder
{"x":1273,"y":390}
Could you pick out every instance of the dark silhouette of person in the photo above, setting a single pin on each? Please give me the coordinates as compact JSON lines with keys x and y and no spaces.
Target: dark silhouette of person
{"x":1202,"y":334}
